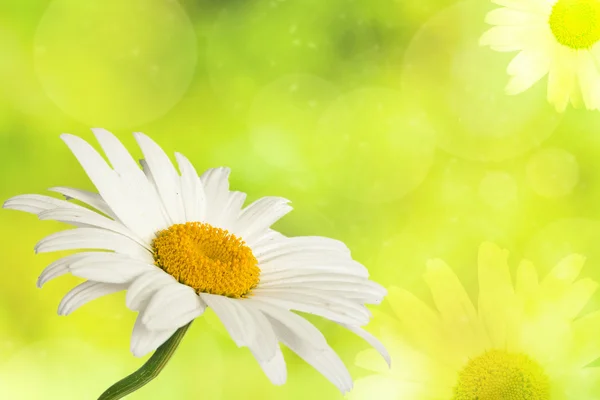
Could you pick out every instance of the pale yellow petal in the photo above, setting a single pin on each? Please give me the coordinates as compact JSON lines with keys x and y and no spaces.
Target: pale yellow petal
{"x":579,"y":384}
{"x":381,"y":387}
{"x":561,"y":79}
{"x":546,"y":338}
{"x":497,"y":302}
{"x":585,"y":343}
{"x":421,"y":326}
{"x":515,"y":37}
{"x":371,"y":360}
{"x":589,"y":79}
{"x":559,"y":280}
{"x":576,"y":297}
{"x":463,"y":329}
{"x":408,"y":362}
{"x":527,"y":68}
{"x":527,"y":279}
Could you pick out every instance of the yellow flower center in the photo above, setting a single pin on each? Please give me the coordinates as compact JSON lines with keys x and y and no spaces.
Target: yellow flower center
{"x":499,"y":375}
{"x":208,"y":259}
{"x":576,"y":23}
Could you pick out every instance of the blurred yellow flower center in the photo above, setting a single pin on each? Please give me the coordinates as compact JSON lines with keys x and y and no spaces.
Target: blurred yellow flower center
{"x":499,"y":375}
{"x":208,"y":259}
{"x":576,"y":23}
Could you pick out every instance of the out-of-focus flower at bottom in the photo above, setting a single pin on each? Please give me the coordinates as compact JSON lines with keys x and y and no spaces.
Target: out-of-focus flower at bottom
{"x":522,"y":341}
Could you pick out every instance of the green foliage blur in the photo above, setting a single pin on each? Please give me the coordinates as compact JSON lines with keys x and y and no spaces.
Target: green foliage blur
{"x":383,"y":121}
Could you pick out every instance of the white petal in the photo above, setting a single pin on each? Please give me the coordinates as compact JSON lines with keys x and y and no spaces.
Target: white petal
{"x":264,"y":343}
{"x":143,"y":341}
{"x":300,"y":245}
{"x":82,"y":216}
{"x":165,"y":177}
{"x":232,"y":210}
{"x":109,"y":267}
{"x":92,"y":238}
{"x":326,"y":361}
{"x":337,"y":284}
{"x":259,"y":216}
{"x":172,"y":307}
{"x":237,"y":321}
{"x":148,"y":173}
{"x":36,"y":203}
{"x":372,"y":340}
{"x":296,"y":264}
{"x":90,"y":198}
{"x":359,"y":293}
{"x":119,"y":197}
{"x":270,"y":236}
{"x":192,"y":190}
{"x":86,"y":292}
{"x":216,"y":188}
{"x":133,"y":178}
{"x":293,"y":322}
{"x":274,"y":368}
{"x":60,"y":267}
{"x":142,"y":289}
{"x":301,"y":267}
{"x":312,"y":302}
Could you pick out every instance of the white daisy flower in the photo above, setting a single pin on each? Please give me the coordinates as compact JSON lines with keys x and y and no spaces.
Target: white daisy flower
{"x":179,"y":243}
{"x":555,"y":37}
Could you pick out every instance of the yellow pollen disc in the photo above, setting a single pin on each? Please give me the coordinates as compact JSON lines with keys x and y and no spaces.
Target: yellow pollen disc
{"x":499,"y":375}
{"x":208,"y":259}
{"x":576,"y":23}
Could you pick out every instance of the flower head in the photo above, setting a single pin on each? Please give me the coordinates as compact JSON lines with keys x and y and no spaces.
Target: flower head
{"x":521,"y":341}
{"x":560,"y":38}
{"x":179,"y":243}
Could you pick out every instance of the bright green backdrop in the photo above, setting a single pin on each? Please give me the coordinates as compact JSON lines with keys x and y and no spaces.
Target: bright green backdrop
{"x":382,"y":120}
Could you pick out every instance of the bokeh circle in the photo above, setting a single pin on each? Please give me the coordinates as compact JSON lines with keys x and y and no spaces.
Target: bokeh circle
{"x":284,"y":117}
{"x":115,"y":63}
{"x":552,"y":172}
{"x":498,"y":189}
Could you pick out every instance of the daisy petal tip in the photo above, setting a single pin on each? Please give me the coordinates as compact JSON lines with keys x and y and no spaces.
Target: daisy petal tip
{"x":136,"y":351}
{"x":40,"y":282}
{"x":100,"y":132}
{"x":67,"y":137}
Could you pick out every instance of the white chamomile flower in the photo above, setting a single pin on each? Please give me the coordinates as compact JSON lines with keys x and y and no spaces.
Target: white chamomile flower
{"x":179,"y":243}
{"x":559,"y":38}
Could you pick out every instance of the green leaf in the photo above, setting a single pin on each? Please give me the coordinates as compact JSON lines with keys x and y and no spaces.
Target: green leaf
{"x":148,"y":371}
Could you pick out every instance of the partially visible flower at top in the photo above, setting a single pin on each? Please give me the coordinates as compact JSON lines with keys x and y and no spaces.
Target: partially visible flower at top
{"x":521,"y":342}
{"x":558,"y":38}
{"x":179,"y":243}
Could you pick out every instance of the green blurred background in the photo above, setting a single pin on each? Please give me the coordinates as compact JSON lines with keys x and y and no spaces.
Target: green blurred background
{"x":382,"y":120}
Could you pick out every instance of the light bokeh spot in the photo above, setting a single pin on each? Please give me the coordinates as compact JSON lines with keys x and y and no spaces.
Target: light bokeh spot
{"x":115,"y":63}
{"x":498,"y":189}
{"x":283,"y":121}
{"x":379,"y":147}
{"x":52,"y":369}
{"x":552,"y":172}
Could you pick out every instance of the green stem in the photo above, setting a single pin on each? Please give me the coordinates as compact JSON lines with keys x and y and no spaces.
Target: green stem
{"x":148,"y":371}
